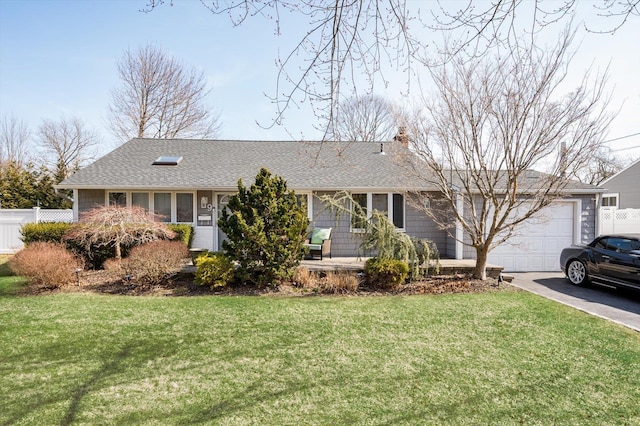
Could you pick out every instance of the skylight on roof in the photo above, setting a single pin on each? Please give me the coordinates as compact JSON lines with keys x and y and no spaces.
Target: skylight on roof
{"x":167,"y":161}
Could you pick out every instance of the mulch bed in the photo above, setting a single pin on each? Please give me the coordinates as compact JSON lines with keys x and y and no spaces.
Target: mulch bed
{"x":182,"y":284}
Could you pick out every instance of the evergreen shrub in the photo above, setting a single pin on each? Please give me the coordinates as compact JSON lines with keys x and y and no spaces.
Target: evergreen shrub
{"x":47,"y":232}
{"x":214,"y":270}
{"x":184,"y":232}
{"x":385,"y":273}
{"x":265,"y":228}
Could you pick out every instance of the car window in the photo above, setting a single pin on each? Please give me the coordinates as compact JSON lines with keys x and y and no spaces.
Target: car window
{"x":602,"y":243}
{"x":619,"y":245}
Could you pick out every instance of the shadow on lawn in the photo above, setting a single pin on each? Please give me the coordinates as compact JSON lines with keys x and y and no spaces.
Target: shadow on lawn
{"x":110,"y":367}
{"x":113,"y":364}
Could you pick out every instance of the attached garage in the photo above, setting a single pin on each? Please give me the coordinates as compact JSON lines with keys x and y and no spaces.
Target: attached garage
{"x":536,"y":245}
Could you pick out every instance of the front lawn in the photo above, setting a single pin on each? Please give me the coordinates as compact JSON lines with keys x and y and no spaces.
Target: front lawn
{"x":493,"y":358}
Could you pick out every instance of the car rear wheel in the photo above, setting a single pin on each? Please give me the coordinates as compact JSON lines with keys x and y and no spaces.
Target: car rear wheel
{"x":577,"y":272}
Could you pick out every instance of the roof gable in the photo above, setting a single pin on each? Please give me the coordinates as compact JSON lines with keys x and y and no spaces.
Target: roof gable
{"x":633,"y":169}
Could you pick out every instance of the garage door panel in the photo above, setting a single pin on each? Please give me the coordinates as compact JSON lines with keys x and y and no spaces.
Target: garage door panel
{"x":537,"y":244}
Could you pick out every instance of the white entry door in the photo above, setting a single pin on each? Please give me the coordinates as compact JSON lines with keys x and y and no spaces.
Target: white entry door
{"x":536,"y":245}
{"x":223,"y":201}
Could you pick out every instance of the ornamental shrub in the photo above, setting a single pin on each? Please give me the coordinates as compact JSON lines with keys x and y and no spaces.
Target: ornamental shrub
{"x":111,"y":231}
{"x":385,"y":273}
{"x":46,"y":265}
{"x":48,"y":232}
{"x":153,"y":262}
{"x":214,"y":269}
{"x":265,"y":228}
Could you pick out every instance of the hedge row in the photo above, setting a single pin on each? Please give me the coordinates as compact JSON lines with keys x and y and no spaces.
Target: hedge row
{"x":52,"y":232}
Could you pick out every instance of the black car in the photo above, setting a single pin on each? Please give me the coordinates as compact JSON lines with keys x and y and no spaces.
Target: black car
{"x":612,"y":260}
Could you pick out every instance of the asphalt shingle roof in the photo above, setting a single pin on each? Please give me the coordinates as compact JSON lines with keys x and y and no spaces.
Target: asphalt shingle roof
{"x":219,"y":164}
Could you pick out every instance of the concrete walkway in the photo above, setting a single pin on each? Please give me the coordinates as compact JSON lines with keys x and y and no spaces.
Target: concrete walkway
{"x":620,"y":307}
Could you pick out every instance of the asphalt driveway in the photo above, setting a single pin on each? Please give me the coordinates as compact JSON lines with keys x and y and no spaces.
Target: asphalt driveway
{"x":620,"y":307}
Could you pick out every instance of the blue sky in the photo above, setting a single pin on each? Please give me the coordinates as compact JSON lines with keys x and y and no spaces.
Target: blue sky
{"x":58,"y":58}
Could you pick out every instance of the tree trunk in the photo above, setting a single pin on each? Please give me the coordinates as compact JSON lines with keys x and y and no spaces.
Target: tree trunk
{"x":480,"y":271}
{"x":118,"y":251}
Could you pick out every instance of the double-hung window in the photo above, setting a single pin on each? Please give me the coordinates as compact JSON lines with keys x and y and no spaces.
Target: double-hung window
{"x":393,"y":204}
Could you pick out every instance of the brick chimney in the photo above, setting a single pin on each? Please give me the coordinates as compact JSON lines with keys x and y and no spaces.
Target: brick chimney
{"x":402,"y":137}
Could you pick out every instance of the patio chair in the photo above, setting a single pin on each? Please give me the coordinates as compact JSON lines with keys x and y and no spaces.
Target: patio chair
{"x":319,"y":243}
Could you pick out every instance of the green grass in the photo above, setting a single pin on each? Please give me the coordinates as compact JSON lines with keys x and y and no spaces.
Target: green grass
{"x":505,"y":358}
{"x":9,"y":284}
{"x":4,"y":265}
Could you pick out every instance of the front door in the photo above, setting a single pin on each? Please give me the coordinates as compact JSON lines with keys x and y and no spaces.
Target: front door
{"x":223,"y":201}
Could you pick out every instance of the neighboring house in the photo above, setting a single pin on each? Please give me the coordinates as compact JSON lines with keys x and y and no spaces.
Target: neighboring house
{"x":190,"y":181}
{"x":619,"y":207}
{"x":622,"y":190}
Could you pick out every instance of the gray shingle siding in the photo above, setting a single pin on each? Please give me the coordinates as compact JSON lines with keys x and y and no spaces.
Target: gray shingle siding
{"x":419,"y":225}
{"x":588,"y":217}
{"x":345,"y":243}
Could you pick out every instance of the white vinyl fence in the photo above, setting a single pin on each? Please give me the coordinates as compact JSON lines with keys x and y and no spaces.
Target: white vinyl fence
{"x":619,"y":221}
{"x":12,"y":219}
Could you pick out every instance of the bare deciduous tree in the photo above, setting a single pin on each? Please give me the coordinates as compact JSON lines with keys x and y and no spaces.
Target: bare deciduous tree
{"x":160,"y":98}
{"x":348,"y":39}
{"x":366,"y":119}
{"x":343,"y":40}
{"x":14,"y":141}
{"x":488,"y":24}
{"x":602,"y":165}
{"x":68,"y":145}
{"x":488,"y":124}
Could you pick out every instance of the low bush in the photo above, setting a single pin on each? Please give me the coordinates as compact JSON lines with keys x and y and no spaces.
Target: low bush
{"x":385,"y":273}
{"x":183,"y":232}
{"x":45,"y":232}
{"x":47,"y":265}
{"x":152,"y":262}
{"x":328,"y":283}
{"x":214,"y":270}
{"x":340,"y":282}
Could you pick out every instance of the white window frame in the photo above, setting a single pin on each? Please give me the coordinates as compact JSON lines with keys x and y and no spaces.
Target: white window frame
{"x":309,"y":196}
{"x":390,"y":210}
{"x":174,"y":205}
{"x":615,"y":196}
{"x":368,"y":207}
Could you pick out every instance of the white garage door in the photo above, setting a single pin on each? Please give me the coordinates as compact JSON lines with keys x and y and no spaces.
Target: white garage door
{"x":536,"y":246}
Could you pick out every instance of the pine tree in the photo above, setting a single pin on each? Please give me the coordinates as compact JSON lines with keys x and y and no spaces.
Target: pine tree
{"x":265,"y":227}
